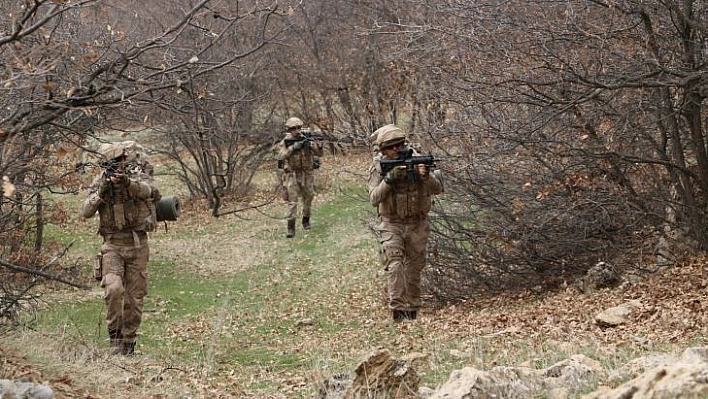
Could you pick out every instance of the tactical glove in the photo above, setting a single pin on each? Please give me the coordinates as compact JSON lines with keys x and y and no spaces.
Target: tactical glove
{"x":297,"y":145}
{"x":423,"y":172}
{"x":394,"y":175}
{"x":104,"y":188}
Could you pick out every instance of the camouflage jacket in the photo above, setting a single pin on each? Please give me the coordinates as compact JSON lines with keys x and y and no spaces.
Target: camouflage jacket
{"x":136,"y":202}
{"x":298,"y":160}
{"x":404,"y":199}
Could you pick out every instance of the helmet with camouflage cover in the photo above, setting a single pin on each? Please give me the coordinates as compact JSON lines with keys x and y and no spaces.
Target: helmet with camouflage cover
{"x":293,"y":122}
{"x":133,"y":152}
{"x":389,"y":135}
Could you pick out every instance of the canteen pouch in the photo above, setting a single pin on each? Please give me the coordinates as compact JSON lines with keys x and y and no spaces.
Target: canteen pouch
{"x":98,"y":267}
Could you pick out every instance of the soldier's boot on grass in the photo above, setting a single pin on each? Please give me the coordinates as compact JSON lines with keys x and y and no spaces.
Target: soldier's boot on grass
{"x":125,"y":349}
{"x":291,"y":229}
{"x":116,"y":337}
{"x":306,"y":222}
{"x":398,"y":315}
{"x":128,"y":349}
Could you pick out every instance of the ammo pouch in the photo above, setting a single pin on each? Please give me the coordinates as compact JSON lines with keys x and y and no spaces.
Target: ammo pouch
{"x":98,"y":267}
{"x":281,"y":164}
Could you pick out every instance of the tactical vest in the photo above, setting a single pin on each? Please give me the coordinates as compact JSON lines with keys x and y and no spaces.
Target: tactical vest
{"x":302,"y":159}
{"x":138,"y":214}
{"x":407,"y":199}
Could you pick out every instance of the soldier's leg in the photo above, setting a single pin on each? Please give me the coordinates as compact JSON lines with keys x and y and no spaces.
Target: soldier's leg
{"x":280,"y":186}
{"x":308,"y":194}
{"x":291,"y":186}
{"x":392,"y":243}
{"x":135,"y":289}
{"x":417,"y":241}
{"x":113,"y":289}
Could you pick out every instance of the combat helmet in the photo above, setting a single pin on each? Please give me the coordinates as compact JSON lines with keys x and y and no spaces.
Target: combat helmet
{"x":133,"y":152}
{"x":389,"y":135}
{"x":293,"y":122}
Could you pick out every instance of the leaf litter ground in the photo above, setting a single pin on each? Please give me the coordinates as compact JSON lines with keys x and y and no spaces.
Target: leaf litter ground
{"x":483,"y":332}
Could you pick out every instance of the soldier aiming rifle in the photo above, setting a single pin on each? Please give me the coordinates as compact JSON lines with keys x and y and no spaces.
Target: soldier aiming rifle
{"x":306,"y":136}
{"x":299,"y":155}
{"x":128,"y":204}
{"x":401,"y":186}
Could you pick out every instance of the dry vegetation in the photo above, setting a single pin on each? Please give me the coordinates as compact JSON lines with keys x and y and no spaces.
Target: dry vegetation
{"x":483,"y":332}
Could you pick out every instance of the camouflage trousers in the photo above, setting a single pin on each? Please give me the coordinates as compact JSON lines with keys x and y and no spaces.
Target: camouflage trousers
{"x":124,"y":281}
{"x":299,"y":184}
{"x":404,"y":245}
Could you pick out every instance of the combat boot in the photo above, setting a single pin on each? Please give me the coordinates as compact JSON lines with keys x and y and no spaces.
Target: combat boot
{"x":116,"y":337}
{"x":306,"y":222}
{"x":398,"y":315}
{"x":291,"y":229}
{"x":128,"y":349}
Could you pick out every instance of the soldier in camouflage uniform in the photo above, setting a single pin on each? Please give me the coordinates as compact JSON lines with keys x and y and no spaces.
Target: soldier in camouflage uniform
{"x":298,"y":173}
{"x":403,"y":207}
{"x":124,"y":197}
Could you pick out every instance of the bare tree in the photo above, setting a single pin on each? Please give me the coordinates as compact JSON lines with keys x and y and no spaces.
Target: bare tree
{"x":73,"y":70}
{"x":578,"y":131}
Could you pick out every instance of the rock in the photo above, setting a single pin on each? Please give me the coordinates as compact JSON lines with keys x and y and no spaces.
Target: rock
{"x":573,"y":371}
{"x":613,"y":317}
{"x":680,"y":380}
{"x":602,"y":275}
{"x":667,"y":377}
{"x":24,"y":390}
{"x":500,"y":382}
{"x":380,"y":375}
{"x":334,"y":387}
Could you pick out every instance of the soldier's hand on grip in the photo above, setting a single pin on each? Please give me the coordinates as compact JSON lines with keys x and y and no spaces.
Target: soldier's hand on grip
{"x":423,"y":171}
{"x":394,"y":175}
{"x":118,"y":178}
{"x":104,"y":188}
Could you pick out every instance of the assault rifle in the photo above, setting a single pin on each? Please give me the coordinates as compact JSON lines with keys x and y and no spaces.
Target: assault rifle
{"x":110,"y":167}
{"x":306,"y":136}
{"x":406,"y":158}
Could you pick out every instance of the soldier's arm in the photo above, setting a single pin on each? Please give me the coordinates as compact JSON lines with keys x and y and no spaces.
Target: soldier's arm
{"x":378,"y":188}
{"x":317,"y":148}
{"x":139,"y":188}
{"x":94,"y":199}
{"x":284,"y":151}
{"x":434,"y":184}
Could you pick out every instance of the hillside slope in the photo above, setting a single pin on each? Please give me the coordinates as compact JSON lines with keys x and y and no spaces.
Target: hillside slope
{"x":236,"y":310}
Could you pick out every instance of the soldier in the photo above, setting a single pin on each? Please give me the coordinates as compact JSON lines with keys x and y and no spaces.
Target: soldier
{"x":403,"y":205}
{"x":124,"y":196}
{"x":298,"y":156}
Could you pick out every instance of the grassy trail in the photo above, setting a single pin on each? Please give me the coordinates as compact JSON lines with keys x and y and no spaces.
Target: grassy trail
{"x":237,"y":308}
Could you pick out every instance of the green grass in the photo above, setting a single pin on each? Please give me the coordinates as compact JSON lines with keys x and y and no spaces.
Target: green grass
{"x":233,"y":303}
{"x":246,"y":320}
